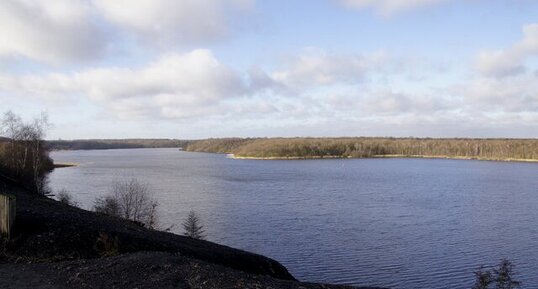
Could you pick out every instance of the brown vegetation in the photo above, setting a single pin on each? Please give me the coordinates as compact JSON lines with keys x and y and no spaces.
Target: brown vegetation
{"x":97,"y":144}
{"x":360,"y":147}
{"x":23,"y":158}
{"x":130,"y":200}
{"x":218,"y":145}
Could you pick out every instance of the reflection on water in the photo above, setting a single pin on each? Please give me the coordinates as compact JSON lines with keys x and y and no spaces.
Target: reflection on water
{"x":402,"y":223}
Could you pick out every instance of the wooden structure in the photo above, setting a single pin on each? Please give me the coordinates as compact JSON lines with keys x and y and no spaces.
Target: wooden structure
{"x":7,"y":214}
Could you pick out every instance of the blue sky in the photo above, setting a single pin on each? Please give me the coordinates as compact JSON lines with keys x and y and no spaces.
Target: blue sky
{"x":208,"y":68}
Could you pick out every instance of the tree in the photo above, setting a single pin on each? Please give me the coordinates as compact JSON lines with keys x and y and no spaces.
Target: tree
{"x":483,"y":279}
{"x":129,"y":200}
{"x":502,"y":277}
{"x":192,"y":226}
{"x":23,"y":156}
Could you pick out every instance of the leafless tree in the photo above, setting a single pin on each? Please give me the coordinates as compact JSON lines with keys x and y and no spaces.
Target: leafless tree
{"x":130,"y":200}
{"x":24,"y":158}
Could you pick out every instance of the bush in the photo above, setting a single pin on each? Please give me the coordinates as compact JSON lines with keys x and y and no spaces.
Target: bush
{"x":502,"y":277}
{"x":108,"y":205}
{"x":192,"y":226}
{"x":129,"y":200}
{"x":63,"y":196}
{"x":107,"y":245}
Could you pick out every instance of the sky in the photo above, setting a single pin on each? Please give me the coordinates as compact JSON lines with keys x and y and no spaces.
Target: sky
{"x":193,"y":69}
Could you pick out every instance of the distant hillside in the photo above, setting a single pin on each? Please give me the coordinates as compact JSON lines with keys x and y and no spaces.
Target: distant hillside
{"x":218,"y":145}
{"x":97,"y":144}
{"x":360,"y":147}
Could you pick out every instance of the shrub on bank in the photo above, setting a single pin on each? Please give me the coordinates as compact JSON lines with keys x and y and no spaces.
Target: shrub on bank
{"x":129,"y":200}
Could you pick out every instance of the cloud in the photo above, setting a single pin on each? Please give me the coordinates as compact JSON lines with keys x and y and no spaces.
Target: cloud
{"x":260,"y":80}
{"x":317,"y":67}
{"x":510,"y":61}
{"x":65,"y":31}
{"x":196,"y":84}
{"x":173,"y":86}
{"x":510,"y":95}
{"x":183,"y":22}
{"x":505,"y":83}
{"x":386,"y":102}
{"x":314,"y":88}
{"x":388,"y":7}
{"x":49,"y":31}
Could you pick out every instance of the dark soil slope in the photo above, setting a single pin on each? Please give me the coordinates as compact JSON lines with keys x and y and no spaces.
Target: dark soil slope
{"x":140,"y":270}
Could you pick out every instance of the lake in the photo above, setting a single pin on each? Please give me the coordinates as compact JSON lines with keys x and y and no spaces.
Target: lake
{"x":399,"y":223}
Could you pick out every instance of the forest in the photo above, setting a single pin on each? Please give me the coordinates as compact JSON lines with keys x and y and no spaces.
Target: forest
{"x":363,"y":147}
{"x":96,"y":144}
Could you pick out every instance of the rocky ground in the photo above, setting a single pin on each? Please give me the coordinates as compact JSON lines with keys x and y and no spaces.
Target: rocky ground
{"x":58,"y":246}
{"x":138,"y":270}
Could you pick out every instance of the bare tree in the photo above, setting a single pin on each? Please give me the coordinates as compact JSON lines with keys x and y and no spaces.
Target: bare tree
{"x":24,"y":158}
{"x":192,"y":226}
{"x":130,"y":200}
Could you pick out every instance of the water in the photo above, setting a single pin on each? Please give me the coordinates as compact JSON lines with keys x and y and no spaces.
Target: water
{"x":400,"y":223}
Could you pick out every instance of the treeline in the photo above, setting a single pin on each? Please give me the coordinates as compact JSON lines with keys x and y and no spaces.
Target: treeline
{"x":218,"y":145}
{"x":99,"y":144}
{"x":361,"y":147}
{"x":23,"y":157}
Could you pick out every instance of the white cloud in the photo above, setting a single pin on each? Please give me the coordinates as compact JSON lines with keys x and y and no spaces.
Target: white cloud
{"x":385,"y":102}
{"x":196,"y":84}
{"x":513,"y":95}
{"x":510,"y":61}
{"x":315,"y":88}
{"x":388,"y":7}
{"x":174,"y":86}
{"x":317,"y":67}
{"x":49,"y":31}
{"x":173,"y":21}
{"x":505,"y":83}
{"x":61,"y":31}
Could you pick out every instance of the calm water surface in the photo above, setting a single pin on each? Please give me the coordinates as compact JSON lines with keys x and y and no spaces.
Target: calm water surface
{"x":400,"y":223}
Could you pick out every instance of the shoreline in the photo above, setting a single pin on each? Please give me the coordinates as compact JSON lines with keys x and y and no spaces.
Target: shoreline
{"x":232,"y":156}
{"x":64,"y":165}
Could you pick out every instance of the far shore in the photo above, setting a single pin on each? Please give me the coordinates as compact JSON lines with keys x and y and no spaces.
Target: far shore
{"x":232,"y":156}
{"x":64,"y":165}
